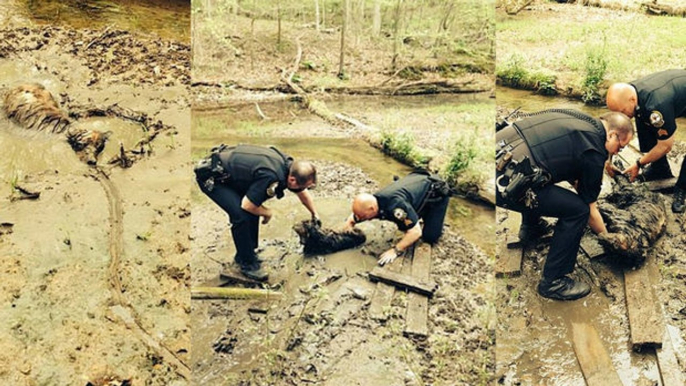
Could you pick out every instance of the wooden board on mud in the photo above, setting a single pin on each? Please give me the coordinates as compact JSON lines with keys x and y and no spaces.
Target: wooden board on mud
{"x":670,"y":372}
{"x":591,"y":246}
{"x":230,"y":275}
{"x":508,"y":249}
{"x":645,"y":317}
{"x":383,"y":295}
{"x":409,"y":283}
{"x":595,"y":362}
{"x":416,"y":319}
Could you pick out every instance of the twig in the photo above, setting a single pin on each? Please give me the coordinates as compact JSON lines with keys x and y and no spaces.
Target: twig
{"x":102,"y":36}
{"x":259,"y":111}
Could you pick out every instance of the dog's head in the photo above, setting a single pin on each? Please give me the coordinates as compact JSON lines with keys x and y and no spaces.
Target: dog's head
{"x":88,"y":144}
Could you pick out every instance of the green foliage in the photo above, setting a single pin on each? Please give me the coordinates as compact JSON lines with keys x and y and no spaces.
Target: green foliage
{"x":514,"y":73}
{"x":462,"y":156}
{"x":595,"y":69}
{"x":401,"y":147}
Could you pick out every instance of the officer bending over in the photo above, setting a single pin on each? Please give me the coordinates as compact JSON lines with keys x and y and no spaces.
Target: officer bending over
{"x":656,"y":101}
{"x":405,"y":201}
{"x":549,"y":147}
{"x":240,"y":179}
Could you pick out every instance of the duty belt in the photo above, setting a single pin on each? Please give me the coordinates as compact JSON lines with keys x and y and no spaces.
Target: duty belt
{"x":518,"y":175}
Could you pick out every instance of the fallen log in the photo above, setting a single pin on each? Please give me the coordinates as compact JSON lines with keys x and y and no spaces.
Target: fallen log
{"x":233,"y":293}
{"x":422,"y":287}
{"x":661,"y":9}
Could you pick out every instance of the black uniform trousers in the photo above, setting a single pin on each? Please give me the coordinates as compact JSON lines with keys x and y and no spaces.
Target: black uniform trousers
{"x":572,"y":214}
{"x":647,"y":140}
{"x":245,"y":226}
{"x":434,"y":216}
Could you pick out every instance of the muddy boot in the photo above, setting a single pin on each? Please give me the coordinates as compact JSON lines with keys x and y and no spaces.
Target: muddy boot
{"x":679,"y":197}
{"x":658,"y":170}
{"x":254,"y":272}
{"x":564,"y":288}
{"x":529,"y":232}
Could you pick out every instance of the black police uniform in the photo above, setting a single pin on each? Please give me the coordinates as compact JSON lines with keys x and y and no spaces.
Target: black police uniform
{"x":416,"y":196}
{"x":258,"y":173}
{"x":661,"y":99}
{"x":570,"y":146}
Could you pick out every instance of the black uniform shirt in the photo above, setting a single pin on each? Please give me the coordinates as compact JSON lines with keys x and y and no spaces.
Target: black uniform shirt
{"x":263,"y":187}
{"x":661,"y":99}
{"x":400,"y":201}
{"x":570,"y":145}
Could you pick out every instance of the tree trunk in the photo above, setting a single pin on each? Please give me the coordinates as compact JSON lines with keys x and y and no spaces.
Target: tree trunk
{"x":316,"y":15}
{"x":396,"y":38}
{"x":341,"y":68}
{"x":376,"y":26}
{"x":278,"y":18}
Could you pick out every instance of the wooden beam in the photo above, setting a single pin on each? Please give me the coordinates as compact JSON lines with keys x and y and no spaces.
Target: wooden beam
{"x":417,"y":316}
{"x":595,"y":362}
{"x":383,"y":295}
{"x":509,"y":249}
{"x":645,"y":316}
{"x":233,"y":293}
{"x":670,"y":371}
{"x":410,"y":283}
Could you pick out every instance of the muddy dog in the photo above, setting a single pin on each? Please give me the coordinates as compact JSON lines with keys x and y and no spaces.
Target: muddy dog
{"x":34,"y":108}
{"x":319,"y":241}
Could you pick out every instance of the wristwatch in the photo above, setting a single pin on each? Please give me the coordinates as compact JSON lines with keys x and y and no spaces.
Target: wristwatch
{"x":638,"y":163}
{"x":398,"y":252}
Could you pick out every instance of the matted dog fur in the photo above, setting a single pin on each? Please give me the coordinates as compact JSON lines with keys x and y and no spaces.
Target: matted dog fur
{"x":34,"y":108}
{"x":320,"y":241}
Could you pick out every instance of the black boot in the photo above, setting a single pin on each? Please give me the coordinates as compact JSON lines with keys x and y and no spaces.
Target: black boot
{"x":254,"y":272}
{"x":658,"y":170}
{"x":564,"y":288}
{"x":679,"y":198}
{"x":531,"y":231}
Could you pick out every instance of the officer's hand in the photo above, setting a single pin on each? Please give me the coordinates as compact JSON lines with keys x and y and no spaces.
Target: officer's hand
{"x":267,"y":216}
{"x":615,"y":240}
{"x":632,"y":172}
{"x":387,"y":257}
{"x":316,"y":220}
{"x":611,"y":169}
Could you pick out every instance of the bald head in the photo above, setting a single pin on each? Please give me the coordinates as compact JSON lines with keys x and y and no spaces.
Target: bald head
{"x":622,"y":97}
{"x":365,"y":206}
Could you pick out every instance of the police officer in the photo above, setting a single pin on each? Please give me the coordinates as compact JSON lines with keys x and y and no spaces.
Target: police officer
{"x":541,"y":150}
{"x":240,"y":179}
{"x":404,"y":202}
{"x":656,"y":101}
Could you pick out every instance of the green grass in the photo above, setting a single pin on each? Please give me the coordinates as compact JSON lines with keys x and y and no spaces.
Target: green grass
{"x":555,"y":43}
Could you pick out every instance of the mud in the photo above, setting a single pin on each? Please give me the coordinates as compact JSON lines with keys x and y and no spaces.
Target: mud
{"x":95,"y":284}
{"x":534,"y":334}
{"x":321,"y":329}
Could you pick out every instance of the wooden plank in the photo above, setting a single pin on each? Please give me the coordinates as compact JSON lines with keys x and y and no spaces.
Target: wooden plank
{"x":645,"y":317}
{"x":417,"y":316}
{"x":509,"y":249}
{"x":383,"y":295}
{"x":233,"y":293}
{"x":410,"y":283}
{"x":591,"y":246}
{"x":670,"y":372}
{"x":595,"y":362}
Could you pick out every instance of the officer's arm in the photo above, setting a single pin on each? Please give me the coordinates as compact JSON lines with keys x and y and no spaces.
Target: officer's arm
{"x":411,"y":236}
{"x":663,"y":147}
{"x":249,"y":207}
{"x":306,"y":200}
{"x":595,"y":220}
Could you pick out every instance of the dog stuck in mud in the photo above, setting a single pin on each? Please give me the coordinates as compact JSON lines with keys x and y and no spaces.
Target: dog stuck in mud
{"x":635,"y":213}
{"x":320,"y":241}
{"x":34,"y":108}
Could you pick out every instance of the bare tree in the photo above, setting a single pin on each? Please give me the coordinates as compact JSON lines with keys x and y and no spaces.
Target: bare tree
{"x":346,"y":17}
{"x":396,"y":37}
{"x":376,"y":26}
{"x":316,"y":15}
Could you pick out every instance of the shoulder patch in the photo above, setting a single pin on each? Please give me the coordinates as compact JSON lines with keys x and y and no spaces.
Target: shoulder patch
{"x":399,"y":214}
{"x":271,"y":190}
{"x":408,"y":222}
{"x":656,"y":119}
{"x":662,"y":132}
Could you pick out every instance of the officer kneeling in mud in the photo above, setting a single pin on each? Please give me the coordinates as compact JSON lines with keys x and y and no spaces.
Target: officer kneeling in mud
{"x":656,"y":101}
{"x":240,"y":179}
{"x":404,"y":202}
{"x":549,"y":147}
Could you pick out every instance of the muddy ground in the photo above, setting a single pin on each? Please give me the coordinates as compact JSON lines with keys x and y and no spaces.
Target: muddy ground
{"x":95,"y":271}
{"x":320,"y":332}
{"x":534,"y":334}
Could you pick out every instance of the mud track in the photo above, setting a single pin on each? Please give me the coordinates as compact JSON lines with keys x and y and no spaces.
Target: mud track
{"x":122,"y":309}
